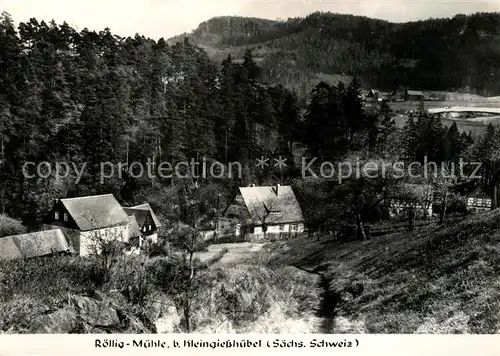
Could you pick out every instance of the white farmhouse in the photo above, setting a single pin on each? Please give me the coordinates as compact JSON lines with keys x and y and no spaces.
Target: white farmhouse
{"x":89,"y":221}
{"x":266,"y":211}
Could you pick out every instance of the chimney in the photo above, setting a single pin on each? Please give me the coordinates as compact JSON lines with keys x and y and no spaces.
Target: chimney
{"x":55,"y":201}
{"x":277,"y":189}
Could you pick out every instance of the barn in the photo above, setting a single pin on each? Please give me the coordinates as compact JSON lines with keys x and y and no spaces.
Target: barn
{"x":36,"y":244}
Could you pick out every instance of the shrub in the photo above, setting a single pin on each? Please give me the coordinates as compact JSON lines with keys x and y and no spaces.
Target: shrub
{"x":9,"y":226}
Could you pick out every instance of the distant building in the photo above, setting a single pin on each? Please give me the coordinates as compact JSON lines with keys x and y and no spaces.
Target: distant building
{"x":266,"y":211}
{"x":373,"y":95}
{"x":396,"y":96}
{"x":89,"y":221}
{"x":413,"y":95}
{"x":479,"y":200}
{"x":144,"y":223}
{"x":412,"y":196}
{"x":36,"y":244}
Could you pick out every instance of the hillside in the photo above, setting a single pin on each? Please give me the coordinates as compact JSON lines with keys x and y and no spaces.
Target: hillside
{"x":436,"y":280}
{"x":462,"y":52}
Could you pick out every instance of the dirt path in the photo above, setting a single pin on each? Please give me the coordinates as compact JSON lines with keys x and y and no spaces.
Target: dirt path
{"x":237,"y":253}
{"x":320,"y":320}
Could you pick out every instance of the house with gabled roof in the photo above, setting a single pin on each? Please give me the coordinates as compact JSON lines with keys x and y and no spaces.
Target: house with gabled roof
{"x":266,"y":211}
{"x":144,"y":223}
{"x":35,"y":244}
{"x":479,"y":200}
{"x":407,"y":196}
{"x":89,"y":221}
{"x":413,"y":95}
{"x":373,"y":95}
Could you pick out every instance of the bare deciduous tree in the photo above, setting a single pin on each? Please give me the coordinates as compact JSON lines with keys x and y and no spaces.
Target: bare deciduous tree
{"x":266,"y":213}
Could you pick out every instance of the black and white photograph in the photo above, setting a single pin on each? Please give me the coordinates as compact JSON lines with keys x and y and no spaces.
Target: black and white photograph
{"x":249,"y":167}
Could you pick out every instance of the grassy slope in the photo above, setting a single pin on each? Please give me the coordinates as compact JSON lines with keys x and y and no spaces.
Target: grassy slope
{"x":235,"y":294}
{"x":437,"y":280}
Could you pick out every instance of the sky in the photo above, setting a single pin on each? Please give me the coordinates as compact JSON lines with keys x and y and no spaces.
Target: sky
{"x":167,"y":18}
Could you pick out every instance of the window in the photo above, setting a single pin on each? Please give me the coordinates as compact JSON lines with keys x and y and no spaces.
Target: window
{"x":293,"y":227}
{"x":282,"y":227}
{"x":149,"y":227}
{"x":56,"y":215}
{"x":65,"y":216}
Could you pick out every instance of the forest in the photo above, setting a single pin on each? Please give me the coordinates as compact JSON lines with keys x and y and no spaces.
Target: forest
{"x":459,"y":53}
{"x":92,"y":97}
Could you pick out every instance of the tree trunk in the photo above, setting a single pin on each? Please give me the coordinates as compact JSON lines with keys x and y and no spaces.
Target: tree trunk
{"x":494,"y":200}
{"x":497,"y":191}
{"x":187,"y":312}
{"x":359,"y":228}
{"x":191,"y":267}
{"x":442,"y":214}
{"x":411,"y":219}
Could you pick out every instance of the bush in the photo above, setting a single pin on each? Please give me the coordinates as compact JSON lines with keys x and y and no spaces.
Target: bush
{"x":132,"y":279}
{"x":217,"y":257}
{"x":9,"y":226}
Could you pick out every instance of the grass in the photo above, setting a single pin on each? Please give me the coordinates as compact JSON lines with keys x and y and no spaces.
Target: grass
{"x":439,"y":279}
{"x":9,"y":226}
{"x":34,"y":287}
{"x":249,"y":298}
{"x":436,"y":280}
{"x":232,"y":296}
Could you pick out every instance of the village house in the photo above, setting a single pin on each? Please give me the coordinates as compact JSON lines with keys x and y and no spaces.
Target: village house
{"x":373,"y":95}
{"x":144,"y":223}
{"x":36,"y":244}
{"x":396,"y":95}
{"x":418,"y":197}
{"x":413,"y":95}
{"x":262,"y":212}
{"x":89,"y":222}
{"x":479,"y":200}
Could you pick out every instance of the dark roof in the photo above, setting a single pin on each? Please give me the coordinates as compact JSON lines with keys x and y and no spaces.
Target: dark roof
{"x":140,"y":215}
{"x":34,"y":244}
{"x":96,"y":211}
{"x":413,"y":190}
{"x":279,"y":208}
{"x":146,"y":206}
{"x":414,"y":92}
{"x":135,"y":230}
{"x":479,"y":193}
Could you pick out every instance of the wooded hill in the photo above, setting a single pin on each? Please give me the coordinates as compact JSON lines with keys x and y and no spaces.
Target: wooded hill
{"x":456,"y":53}
{"x":90,"y":97}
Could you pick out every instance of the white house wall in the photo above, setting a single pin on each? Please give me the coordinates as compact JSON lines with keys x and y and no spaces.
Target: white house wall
{"x":153,"y":238}
{"x":72,"y":236}
{"x":89,"y":240}
{"x":258,"y":233}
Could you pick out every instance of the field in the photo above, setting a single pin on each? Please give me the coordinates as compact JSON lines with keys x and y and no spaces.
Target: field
{"x":408,"y":106}
{"x":473,"y":125}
